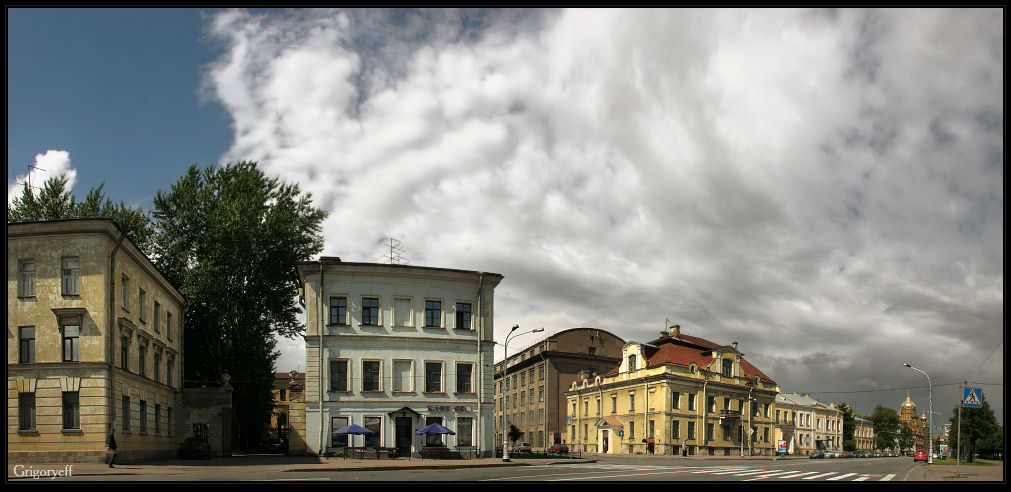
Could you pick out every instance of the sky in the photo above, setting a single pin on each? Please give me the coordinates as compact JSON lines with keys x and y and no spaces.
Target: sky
{"x":824,"y":187}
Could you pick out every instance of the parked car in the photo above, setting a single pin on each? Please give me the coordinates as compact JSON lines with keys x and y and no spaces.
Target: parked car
{"x":523,"y":447}
{"x":920,"y":456}
{"x":559,"y":449}
{"x":275,"y":445}
{"x":195,"y":447}
{"x":817,"y":454}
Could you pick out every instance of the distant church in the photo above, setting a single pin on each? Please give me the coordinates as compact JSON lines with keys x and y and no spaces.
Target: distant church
{"x":907,"y":416}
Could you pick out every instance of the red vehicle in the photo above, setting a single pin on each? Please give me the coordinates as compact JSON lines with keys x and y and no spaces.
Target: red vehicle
{"x":920,"y":456}
{"x":559,"y":449}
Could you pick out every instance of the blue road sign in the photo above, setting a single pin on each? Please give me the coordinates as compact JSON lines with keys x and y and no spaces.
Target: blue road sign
{"x":972,"y":397}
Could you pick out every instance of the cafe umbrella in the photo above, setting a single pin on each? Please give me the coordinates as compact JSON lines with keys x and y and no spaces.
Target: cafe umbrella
{"x":434,"y":429}
{"x":352,"y":429}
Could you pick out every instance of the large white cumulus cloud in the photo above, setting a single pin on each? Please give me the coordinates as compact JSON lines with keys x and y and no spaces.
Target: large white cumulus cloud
{"x":820,"y":185}
{"x":51,"y":164}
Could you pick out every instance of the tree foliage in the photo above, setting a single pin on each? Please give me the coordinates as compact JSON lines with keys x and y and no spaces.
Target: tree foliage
{"x":886,"y":427}
{"x":981,"y":433}
{"x":230,"y":237}
{"x":54,"y":202}
{"x":849,"y":428}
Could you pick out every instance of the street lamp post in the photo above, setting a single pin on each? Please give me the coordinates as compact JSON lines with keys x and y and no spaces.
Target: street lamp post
{"x":505,"y":375}
{"x":930,"y":429}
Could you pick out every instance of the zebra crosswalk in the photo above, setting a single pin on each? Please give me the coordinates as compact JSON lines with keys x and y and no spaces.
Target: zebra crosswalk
{"x":725,"y":473}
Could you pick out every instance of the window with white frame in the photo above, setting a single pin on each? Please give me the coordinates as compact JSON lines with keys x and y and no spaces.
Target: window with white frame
{"x":464,"y":377}
{"x":402,"y":375}
{"x":433,"y":377}
{"x":26,"y":344}
{"x":339,"y":375}
{"x":26,"y":278}
{"x":463,"y":310}
{"x":338,"y":311}
{"x":71,"y":275}
{"x":371,"y":375}
{"x":370,"y":311}
{"x":433,"y":314}
{"x":125,"y":292}
{"x":464,"y":431}
{"x":374,"y":424}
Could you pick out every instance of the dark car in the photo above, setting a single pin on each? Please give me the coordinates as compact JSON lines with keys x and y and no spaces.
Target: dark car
{"x":816,"y":454}
{"x":195,"y":447}
{"x":275,"y":445}
{"x":559,"y":449}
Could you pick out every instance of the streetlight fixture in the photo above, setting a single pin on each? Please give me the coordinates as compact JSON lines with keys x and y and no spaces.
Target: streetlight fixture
{"x":505,"y":375}
{"x":930,"y":402}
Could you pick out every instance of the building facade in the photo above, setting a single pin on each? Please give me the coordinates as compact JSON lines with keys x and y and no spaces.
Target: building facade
{"x":531,"y":393}
{"x":285,"y":387}
{"x":678,"y":394}
{"x":808,"y":424}
{"x":95,"y":341}
{"x":863,"y":433}
{"x":918,"y":424}
{"x":394,"y":348}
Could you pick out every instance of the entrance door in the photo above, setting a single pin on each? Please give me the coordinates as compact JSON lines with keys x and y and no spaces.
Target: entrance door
{"x":605,"y":435}
{"x":404,"y":434}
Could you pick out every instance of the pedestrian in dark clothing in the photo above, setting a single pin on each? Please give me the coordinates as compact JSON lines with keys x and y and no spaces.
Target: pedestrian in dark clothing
{"x":110,"y":443}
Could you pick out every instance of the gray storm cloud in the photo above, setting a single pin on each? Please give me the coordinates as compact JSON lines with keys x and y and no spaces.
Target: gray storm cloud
{"x":823,"y":186}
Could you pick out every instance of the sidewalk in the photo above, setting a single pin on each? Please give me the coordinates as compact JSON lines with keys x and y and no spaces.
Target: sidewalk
{"x":966,"y":473}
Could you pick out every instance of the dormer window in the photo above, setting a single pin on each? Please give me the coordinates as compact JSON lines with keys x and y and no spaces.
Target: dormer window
{"x":631,"y":363}
{"x":728,"y":367}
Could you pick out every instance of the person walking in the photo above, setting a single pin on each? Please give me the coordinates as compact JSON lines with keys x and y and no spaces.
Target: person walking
{"x":110,"y":444}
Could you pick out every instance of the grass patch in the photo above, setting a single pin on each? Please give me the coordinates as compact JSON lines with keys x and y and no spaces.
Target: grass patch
{"x":952,"y":462}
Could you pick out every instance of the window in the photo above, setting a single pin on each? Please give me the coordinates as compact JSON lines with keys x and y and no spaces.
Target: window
{"x":402,"y":380}
{"x":338,"y":440}
{"x":631,"y":429}
{"x":433,"y":314}
{"x":168,"y":325}
{"x":631,"y":402}
{"x":710,"y":432}
{"x":691,"y":402}
{"x":157,"y":367}
{"x":691,"y":430}
{"x":370,"y":311}
{"x":169,"y":421}
{"x":26,"y":280}
{"x":157,"y":419}
{"x":143,"y":417}
{"x":540,"y":393}
{"x":169,"y":365}
{"x":675,"y":401}
{"x":71,"y":275}
{"x":464,"y":374}
{"x":591,"y":350}
{"x":728,"y":367}
{"x":463,"y":316}
{"x":26,"y":411}
{"x":142,"y":304}
{"x":338,"y":375}
{"x":125,"y":288}
{"x":614,"y":404}
{"x":370,"y":375}
{"x":157,"y":316}
{"x":675,"y":429}
{"x":433,"y":377}
{"x":374,"y":424}
{"x":71,"y":343}
{"x":338,"y":311}
{"x":142,"y":360}
{"x":124,"y":352}
{"x":433,"y":439}
{"x":650,"y":429}
{"x":631,"y":363}
{"x":711,"y":404}
{"x":126,"y":414}
{"x":464,"y":431}
{"x":26,"y":344}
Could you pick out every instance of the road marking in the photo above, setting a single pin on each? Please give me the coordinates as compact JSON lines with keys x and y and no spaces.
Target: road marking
{"x":768,"y":475}
{"x":754,"y":472}
{"x":887,"y":477}
{"x":796,"y":475}
{"x":840,"y":477}
{"x":861,"y":478}
{"x":819,"y":476}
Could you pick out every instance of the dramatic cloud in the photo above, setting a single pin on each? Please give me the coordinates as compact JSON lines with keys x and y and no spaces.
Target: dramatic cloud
{"x":52,"y":163}
{"x":822,"y":186}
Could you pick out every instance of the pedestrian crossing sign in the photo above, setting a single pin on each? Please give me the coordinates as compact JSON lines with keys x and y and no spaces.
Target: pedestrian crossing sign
{"x":972,"y":397}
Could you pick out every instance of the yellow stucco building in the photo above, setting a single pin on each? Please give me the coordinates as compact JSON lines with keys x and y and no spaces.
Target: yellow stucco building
{"x":94,"y":339}
{"x":678,"y":394}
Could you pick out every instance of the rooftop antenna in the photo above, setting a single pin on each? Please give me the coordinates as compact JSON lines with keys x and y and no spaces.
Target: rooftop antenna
{"x":395,"y":253}
{"x":29,"y":177}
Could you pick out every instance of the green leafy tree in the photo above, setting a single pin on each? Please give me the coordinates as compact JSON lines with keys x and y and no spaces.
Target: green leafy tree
{"x":907,"y":439}
{"x":886,"y":427}
{"x":54,"y":202}
{"x":981,"y":433}
{"x":514,"y":434}
{"x":849,"y":428}
{"x":230,"y":237}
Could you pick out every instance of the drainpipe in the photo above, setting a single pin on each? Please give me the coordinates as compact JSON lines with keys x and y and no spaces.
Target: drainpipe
{"x":111,"y":325}
{"x":705,"y":409}
{"x":319,"y":367}
{"x":480,"y":365}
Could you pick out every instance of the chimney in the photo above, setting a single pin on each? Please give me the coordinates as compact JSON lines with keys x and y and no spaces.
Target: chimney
{"x":735,"y":345}
{"x":675,"y":331}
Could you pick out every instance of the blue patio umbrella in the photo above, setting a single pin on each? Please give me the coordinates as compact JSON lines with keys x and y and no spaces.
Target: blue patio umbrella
{"x":434,"y":429}
{"x":352,"y":429}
